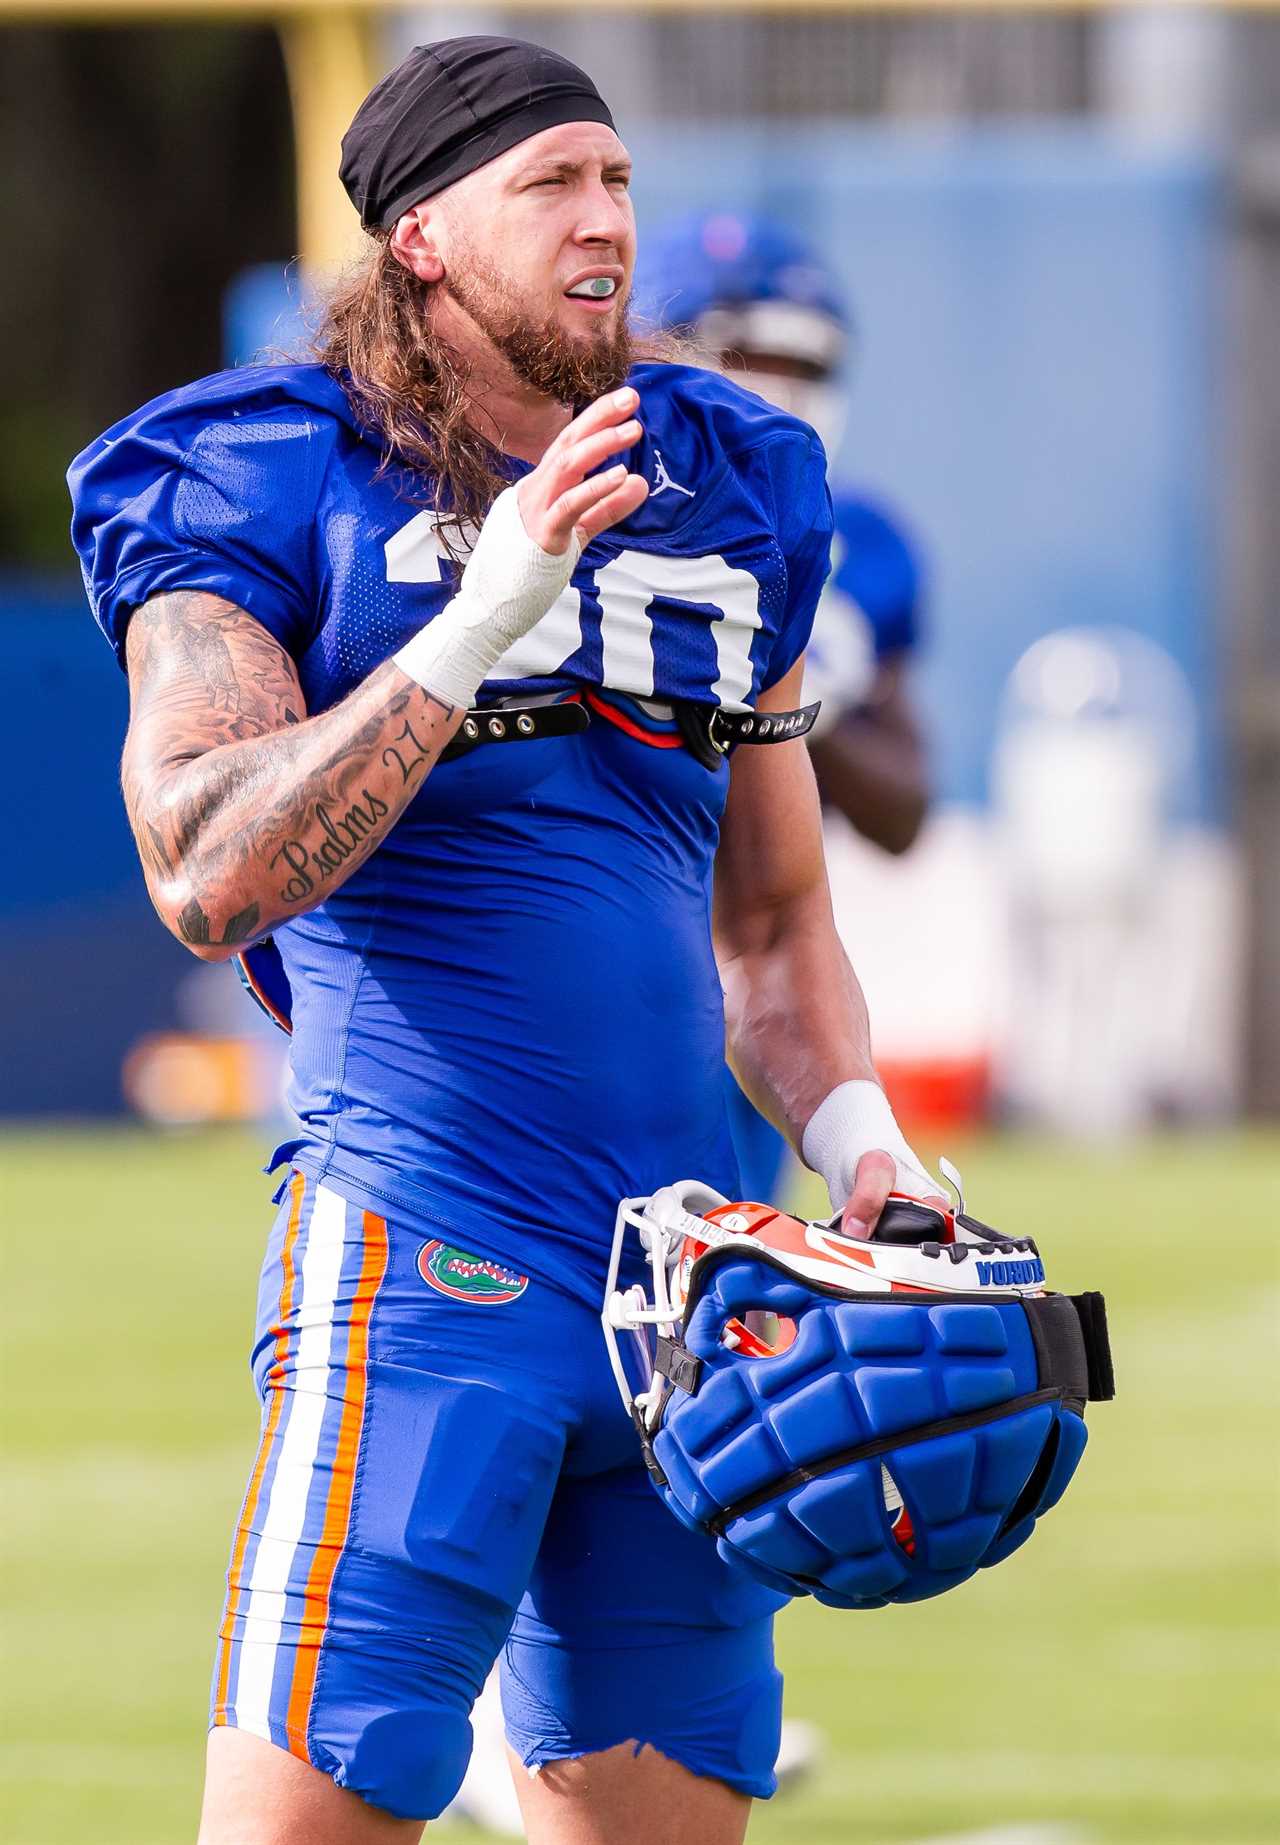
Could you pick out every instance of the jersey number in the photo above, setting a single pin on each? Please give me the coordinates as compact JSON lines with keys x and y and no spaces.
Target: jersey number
{"x":627,"y":588}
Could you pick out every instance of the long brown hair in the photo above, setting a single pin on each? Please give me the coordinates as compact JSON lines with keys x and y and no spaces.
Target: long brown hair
{"x":405,"y":385}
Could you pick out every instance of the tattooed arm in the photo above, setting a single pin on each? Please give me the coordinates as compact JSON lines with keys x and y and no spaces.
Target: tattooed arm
{"x":245,"y":810}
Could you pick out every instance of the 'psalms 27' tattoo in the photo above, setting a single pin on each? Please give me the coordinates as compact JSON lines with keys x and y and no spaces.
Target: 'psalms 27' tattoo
{"x":245,"y":813}
{"x":413,"y":755}
{"x":342,"y":838}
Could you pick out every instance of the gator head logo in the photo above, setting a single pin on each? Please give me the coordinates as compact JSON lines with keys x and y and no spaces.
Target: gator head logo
{"x":471,"y":1278}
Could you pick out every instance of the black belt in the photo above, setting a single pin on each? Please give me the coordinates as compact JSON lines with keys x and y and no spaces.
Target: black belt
{"x":515,"y":724}
{"x":709,"y":732}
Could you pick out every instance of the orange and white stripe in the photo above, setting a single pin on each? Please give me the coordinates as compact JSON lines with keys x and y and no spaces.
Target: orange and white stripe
{"x":337,"y":1511}
{"x":322,"y":1378}
{"x":249,"y":1510}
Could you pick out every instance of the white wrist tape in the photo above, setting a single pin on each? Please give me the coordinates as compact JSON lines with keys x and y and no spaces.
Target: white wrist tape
{"x":507,"y":587}
{"x":855,"y":1119}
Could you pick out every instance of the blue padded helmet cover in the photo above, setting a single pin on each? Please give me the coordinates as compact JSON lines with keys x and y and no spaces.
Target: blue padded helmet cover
{"x":945,"y":1392}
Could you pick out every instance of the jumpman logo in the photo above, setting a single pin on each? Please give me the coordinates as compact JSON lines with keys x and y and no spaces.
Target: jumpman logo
{"x":664,"y":480}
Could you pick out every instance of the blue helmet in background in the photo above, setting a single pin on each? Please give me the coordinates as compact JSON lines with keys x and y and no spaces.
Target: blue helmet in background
{"x":740,"y":282}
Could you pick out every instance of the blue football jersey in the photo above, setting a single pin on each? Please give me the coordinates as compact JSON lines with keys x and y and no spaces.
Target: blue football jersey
{"x":869,"y":612}
{"x":874,"y":564}
{"x":510,"y":1015}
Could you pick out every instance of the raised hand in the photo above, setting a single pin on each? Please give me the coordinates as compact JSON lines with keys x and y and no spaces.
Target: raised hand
{"x":562,"y":498}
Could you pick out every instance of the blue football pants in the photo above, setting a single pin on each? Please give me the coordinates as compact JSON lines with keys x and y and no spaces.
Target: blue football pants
{"x":446,"y":1472}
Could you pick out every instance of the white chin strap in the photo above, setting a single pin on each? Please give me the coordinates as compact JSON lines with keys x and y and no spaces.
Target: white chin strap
{"x":679,"y":1210}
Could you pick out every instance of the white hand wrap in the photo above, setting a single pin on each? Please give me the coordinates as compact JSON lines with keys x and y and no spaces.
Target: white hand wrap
{"x":855,"y":1119}
{"x":507,"y":587}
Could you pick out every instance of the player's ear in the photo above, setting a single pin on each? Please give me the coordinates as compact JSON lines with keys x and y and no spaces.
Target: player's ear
{"x":413,"y":242}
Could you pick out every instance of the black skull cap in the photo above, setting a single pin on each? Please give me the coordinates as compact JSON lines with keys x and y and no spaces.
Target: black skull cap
{"x":447,"y":109}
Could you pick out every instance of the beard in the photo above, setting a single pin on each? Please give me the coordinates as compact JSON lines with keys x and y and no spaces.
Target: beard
{"x":570,"y":369}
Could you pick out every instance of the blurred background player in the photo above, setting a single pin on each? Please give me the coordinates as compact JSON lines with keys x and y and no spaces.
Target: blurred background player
{"x":761,"y":304}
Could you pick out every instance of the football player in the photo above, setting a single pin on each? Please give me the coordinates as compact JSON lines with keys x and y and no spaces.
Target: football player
{"x":762,"y":304}
{"x":439,"y":649}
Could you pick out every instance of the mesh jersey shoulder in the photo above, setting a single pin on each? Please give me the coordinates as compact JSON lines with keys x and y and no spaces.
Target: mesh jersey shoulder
{"x":709,"y":425}
{"x":212,"y":487}
{"x":731,"y":423}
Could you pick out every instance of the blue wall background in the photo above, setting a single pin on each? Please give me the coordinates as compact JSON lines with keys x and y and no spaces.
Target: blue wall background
{"x":1035,"y":382}
{"x":84,"y":966}
{"x":1035,"y":391}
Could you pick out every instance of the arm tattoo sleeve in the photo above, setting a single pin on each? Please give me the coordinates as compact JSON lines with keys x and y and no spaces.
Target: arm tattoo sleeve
{"x":245,"y":810}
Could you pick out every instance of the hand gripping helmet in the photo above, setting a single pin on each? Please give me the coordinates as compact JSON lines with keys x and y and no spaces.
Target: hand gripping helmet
{"x":867,"y":1422}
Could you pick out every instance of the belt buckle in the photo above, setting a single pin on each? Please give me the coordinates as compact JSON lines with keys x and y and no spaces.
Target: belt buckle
{"x":721,"y":746}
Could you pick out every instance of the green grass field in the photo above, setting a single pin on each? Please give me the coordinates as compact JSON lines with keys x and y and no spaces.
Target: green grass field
{"x":1117,"y":1679}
